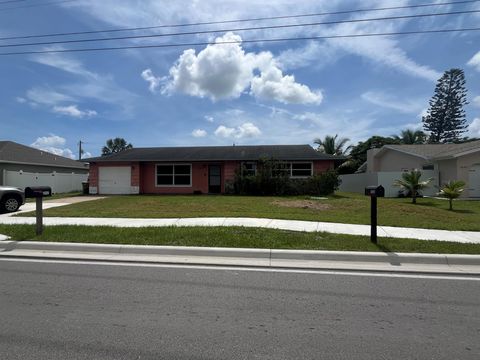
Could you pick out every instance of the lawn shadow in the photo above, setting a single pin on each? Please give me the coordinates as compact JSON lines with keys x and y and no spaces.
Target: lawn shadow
{"x":463,"y":211}
{"x":393,"y":258}
{"x":444,"y":207}
{"x":427,"y":204}
{"x":338,"y":196}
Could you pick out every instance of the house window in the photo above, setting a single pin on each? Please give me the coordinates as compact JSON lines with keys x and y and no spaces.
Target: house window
{"x":427,"y":167}
{"x":301,"y":169}
{"x":249,"y":169}
{"x":281,"y":169}
{"x":174,"y":175}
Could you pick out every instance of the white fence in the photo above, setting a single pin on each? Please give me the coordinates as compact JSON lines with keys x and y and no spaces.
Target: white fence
{"x":357,"y":182}
{"x":59,"y":182}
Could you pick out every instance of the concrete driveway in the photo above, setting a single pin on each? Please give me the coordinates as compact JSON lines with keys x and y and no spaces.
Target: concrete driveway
{"x":47,"y":204}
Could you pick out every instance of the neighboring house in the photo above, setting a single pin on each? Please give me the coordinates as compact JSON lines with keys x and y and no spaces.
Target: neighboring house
{"x":443,"y":162}
{"x":23,"y":166}
{"x":188,"y":170}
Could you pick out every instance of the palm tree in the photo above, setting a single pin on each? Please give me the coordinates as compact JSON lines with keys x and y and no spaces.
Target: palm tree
{"x":411,"y":137}
{"x":452,"y":190}
{"x":410,"y":181}
{"x":331,"y":145}
{"x":115,"y":145}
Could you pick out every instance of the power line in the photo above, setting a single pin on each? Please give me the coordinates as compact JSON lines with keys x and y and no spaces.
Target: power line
{"x":343,"y":12}
{"x":402,"y":17}
{"x":10,"y":1}
{"x":438,"y":31}
{"x":36,"y":5}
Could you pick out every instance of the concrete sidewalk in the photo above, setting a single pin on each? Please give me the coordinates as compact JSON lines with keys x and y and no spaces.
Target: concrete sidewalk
{"x":260,"y":258}
{"x":293,"y":225}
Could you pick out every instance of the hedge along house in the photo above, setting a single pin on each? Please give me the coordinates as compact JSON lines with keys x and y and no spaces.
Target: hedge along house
{"x":188,"y":170}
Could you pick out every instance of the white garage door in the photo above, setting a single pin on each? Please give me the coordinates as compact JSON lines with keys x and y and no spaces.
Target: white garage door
{"x":114,"y":180}
{"x":474,"y":181}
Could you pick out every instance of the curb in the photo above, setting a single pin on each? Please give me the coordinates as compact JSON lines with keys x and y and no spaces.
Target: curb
{"x":468,"y":237}
{"x":269,"y":255}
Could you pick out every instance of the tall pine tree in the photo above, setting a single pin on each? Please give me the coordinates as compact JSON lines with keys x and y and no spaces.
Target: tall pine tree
{"x":445,"y":119}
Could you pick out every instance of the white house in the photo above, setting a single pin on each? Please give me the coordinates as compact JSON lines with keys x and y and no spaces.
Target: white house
{"x":443,"y":162}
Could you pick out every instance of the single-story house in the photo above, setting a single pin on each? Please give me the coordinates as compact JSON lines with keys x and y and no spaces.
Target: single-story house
{"x":188,"y":170}
{"x":23,"y":166}
{"x":443,"y":162}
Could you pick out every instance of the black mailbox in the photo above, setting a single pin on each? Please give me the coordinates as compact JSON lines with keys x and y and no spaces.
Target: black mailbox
{"x":38,"y":191}
{"x":377,"y":191}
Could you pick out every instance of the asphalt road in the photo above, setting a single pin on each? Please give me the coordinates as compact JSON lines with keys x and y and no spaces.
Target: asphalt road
{"x":85,"y":311}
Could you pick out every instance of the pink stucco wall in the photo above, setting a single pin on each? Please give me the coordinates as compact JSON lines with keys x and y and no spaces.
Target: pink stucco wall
{"x":93,"y":174}
{"x":322,"y":166}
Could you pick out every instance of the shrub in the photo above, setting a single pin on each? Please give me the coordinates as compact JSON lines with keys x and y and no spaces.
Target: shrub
{"x":272,"y":179}
{"x":323,"y":184}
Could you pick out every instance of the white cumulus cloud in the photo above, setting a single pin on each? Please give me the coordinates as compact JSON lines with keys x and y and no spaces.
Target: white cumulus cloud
{"x":272,"y":85}
{"x":474,"y":128}
{"x":476,"y":101}
{"x":73,"y":111}
{"x":246,"y":130}
{"x":198,"y":133}
{"x":53,"y":144}
{"x":475,"y":61}
{"x":226,"y":71}
{"x":224,"y":131}
{"x":149,"y":77}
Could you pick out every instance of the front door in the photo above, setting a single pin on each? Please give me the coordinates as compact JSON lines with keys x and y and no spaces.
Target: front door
{"x":214,"y":179}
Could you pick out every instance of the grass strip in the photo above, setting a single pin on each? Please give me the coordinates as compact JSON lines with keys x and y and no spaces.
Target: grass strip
{"x":233,"y":237}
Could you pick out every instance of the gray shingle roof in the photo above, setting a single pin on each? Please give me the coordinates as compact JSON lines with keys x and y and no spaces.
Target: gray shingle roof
{"x":17,"y":153}
{"x":436,"y":151}
{"x":218,"y":153}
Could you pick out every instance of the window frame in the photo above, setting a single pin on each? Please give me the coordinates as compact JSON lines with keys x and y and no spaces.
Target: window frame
{"x":301,"y":176}
{"x":173,"y":175}
{"x":245,"y":170}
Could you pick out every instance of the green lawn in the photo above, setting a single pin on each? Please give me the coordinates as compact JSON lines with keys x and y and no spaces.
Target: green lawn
{"x":231,"y":237}
{"x":343,"y":208}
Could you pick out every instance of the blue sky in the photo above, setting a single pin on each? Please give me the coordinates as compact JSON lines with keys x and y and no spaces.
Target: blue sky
{"x":264,"y":93}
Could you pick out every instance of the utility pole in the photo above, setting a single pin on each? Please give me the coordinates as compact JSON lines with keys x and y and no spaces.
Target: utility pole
{"x":80,"y":150}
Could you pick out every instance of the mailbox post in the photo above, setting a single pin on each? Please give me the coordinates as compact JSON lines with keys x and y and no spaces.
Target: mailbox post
{"x":38,"y":192}
{"x":374,"y":192}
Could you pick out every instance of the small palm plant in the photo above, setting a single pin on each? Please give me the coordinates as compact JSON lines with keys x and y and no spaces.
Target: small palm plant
{"x":452,"y":190}
{"x":410,"y":182}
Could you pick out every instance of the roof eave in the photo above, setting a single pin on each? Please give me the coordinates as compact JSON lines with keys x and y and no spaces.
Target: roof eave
{"x":204,"y":160}
{"x":402,"y":151}
{"x":42,"y":164}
